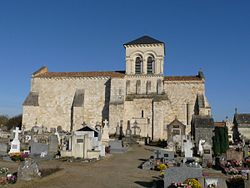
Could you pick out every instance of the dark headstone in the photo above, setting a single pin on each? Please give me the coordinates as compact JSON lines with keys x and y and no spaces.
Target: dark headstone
{"x":3,"y":148}
{"x":38,"y":148}
{"x":53,"y":144}
{"x":116,"y":146}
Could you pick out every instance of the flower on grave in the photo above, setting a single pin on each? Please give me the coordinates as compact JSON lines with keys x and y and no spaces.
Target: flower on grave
{"x":193,"y":183}
{"x":11,"y":178}
{"x":24,"y":155}
{"x":4,"y":170}
{"x":161,"y":167}
{"x":19,"y":156}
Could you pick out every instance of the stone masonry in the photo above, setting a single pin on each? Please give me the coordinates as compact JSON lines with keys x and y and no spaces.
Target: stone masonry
{"x":140,"y":95}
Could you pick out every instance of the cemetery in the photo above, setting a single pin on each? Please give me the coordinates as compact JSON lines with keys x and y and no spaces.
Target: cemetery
{"x":181,"y":161}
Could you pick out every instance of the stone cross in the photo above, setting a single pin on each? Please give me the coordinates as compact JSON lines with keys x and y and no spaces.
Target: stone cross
{"x":17,"y":131}
{"x":157,"y":154}
{"x":135,"y":127}
{"x":15,"y":144}
{"x":105,"y":123}
{"x":105,"y":132}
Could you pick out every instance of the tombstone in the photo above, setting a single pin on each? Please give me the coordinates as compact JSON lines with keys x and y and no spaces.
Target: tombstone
{"x":200,"y":151}
{"x":148,"y":165}
{"x":53,"y":144}
{"x":163,"y":154}
{"x":38,"y":148}
{"x":180,"y":174}
{"x":136,"y":129}
{"x":188,"y":148}
{"x":15,"y":144}
{"x":170,"y":146}
{"x":105,"y":132}
{"x":128,"y":130}
{"x":207,"y":158}
{"x":3,"y":148}
{"x":117,"y":130}
{"x":116,"y":146}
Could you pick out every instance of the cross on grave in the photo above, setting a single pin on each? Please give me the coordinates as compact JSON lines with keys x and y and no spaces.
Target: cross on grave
{"x":15,"y":144}
{"x":157,"y":152}
{"x":17,"y":131}
{"x":105,"y":123}
{"x":135,"y":127}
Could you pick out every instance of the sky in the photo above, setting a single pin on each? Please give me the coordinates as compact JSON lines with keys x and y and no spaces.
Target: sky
{"x":77,"y":35}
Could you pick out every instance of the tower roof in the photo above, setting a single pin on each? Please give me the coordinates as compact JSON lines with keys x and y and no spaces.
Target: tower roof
{"x":144,"y":40}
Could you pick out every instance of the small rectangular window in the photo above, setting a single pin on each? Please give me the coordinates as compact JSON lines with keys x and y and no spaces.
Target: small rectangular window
{"x":79,"y":141}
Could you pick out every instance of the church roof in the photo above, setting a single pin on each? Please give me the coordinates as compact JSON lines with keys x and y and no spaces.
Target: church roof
{"x":203,"y":121}
{"x":144,"y":40}
{"x":242,"y":118}
{"x":31,"y":100}
{"x":182,"y":78}
{"x":118,"y":74}
{"x":220,"y":124}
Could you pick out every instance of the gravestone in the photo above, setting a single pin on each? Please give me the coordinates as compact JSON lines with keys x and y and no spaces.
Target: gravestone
{"x":165,"y":154}
{"x":180,"y":174}
{"x":200,"y":149}
{"x":128,"y":130}
{"x":207,"y":155}
{"x":188,"y":148}
{"x":15,"y":144}
{"x":117,"y":130}
{"x":116,"y":146}
{"x":105,"y":132}
{"x":3,"y":148}
{"x":148,"y":165}
{"x":38,"y":148}
{"x":53,"y":144}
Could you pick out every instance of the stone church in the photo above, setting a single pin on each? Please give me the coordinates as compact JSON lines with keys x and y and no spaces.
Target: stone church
{"x":140,"y":99}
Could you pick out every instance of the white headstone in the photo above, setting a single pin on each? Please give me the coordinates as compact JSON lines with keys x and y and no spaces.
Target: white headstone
{"x":188,"y":148}
{"x":201,"y":151}
{"x":105,"y":132}
{"x":15,"y":144}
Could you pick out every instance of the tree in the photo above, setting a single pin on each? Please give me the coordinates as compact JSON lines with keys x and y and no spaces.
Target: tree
{"x":220,"y":140}
{"x":3,"y":120}
{"x":15,"y":121}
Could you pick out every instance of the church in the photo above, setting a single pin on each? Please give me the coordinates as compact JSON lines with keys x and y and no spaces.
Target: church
{"x":141,"y":98}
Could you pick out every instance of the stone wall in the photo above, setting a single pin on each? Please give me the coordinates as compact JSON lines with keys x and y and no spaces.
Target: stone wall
{"x":182,"y":96}
{"x":55,"y":102}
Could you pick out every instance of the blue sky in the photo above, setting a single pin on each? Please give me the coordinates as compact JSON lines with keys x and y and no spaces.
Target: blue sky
{"x":88,"y":35}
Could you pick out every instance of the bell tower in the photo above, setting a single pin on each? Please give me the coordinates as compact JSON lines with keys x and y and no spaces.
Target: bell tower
{"x":145,"y":56}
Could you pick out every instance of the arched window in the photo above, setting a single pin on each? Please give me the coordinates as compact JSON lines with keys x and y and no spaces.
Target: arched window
{"x":138,"y":65}
{"x":150,"y":64}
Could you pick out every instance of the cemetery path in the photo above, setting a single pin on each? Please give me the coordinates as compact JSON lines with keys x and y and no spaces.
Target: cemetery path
{"x":118,"y":170}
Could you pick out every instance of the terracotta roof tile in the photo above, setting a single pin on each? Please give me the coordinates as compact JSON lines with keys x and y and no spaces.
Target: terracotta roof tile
{"x":219,"y":124}
{"x":115,"y":74}
{"x":182,"y":78}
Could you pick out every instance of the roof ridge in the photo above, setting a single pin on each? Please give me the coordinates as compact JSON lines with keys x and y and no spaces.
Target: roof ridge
{"x":144,"y":40}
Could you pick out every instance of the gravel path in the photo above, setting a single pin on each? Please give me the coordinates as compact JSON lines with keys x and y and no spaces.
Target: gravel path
{"x":116,"y":171}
